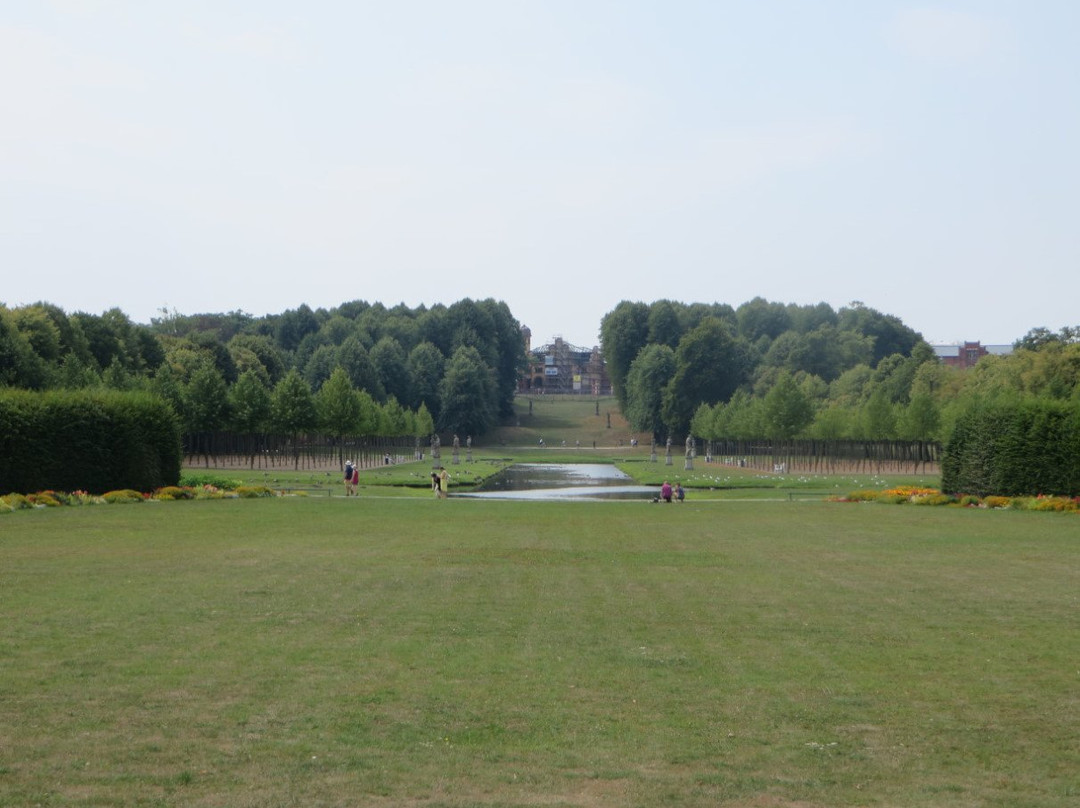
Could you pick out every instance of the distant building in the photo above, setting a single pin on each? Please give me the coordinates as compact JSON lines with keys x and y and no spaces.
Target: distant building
{"x":966,"y":354}
{"x":564,"y":368}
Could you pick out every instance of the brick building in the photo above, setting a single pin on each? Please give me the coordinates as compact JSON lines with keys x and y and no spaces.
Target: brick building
{"x":966,"y":354}
{"x":564,"y":368}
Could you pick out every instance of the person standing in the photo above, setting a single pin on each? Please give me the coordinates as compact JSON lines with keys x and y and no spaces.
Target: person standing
{"x":435,"y":483}
{"x":444,"y":484}
{"x":348,"y":478}
{"x":356,"y":480}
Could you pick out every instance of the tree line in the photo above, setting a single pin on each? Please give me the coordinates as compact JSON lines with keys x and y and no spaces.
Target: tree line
{"x":776,"y":371}
{"x":356,"y":369}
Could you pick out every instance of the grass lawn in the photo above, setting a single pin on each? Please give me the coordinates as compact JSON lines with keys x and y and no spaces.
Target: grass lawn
{"x":396,"y":651}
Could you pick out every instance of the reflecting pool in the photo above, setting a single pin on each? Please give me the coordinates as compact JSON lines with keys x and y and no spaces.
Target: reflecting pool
{"x":561,"y":481}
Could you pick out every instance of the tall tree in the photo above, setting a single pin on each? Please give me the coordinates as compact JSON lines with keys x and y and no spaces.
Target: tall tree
{"x":710,"y":365}
{"x":292,"y":408}
{"x":205,"y":400}
{"x":263,"y":347}
{"x":427,"y":365}
{"x":354,"y":357}
{"x":649,"y":375}
{"x":624,"y":331}
{"x":391,"y":365}
{"x":890,"y":334}
{"x":19,"y":365}
{"x":761,"y":318}
{"x":786,"y":409}
{"x":320,"y":365}
{"x":338,"y":407}
{"x":249,"y":403}
{"x":467,"y":394}
{"x":665,"y":327}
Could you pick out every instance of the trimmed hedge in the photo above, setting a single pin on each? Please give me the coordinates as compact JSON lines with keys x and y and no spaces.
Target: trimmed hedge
{"x":93,"y":441}
{"x":1015,"y":449}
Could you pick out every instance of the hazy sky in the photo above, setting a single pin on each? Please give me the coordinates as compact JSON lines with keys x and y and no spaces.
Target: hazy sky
{"x":558,"y":155}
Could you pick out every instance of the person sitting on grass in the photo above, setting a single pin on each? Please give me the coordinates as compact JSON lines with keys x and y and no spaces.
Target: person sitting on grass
{"x":665,"y":492}
{"x":680,"y":492}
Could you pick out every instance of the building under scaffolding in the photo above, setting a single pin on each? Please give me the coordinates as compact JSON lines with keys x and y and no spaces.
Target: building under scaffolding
{"x":564,"y":368}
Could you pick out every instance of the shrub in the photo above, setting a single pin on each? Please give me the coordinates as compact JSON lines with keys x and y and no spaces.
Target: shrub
{"x":1015,"y":449}
{"x":865,"y":495}
{"x":43,"y":498}
{"x":997,"y":502}
{"x":122,"y":496}
{"x":908,"y":491}
{"x":254,"y":491}
{"x":172,"y":492}
{"x":936,"y":498}
{"x":893,"y":499}
{"x":970,"y":501}
{"x":85,"y":439}
{"x":199,"y":480}
{"x":15,"y":501}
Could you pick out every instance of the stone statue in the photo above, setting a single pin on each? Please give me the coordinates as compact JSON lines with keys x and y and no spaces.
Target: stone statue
{"x":668,"y":445}
{"x":689,"y":445}
{"x":468,"y":442}
{"x":457,"y":443}
{"x":435,"y":443}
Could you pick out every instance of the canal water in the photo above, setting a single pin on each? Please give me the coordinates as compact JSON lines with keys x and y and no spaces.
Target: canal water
{"x":561,"y":481}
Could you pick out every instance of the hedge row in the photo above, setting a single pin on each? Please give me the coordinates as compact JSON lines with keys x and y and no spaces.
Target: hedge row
{"x":1016,"y":449}
{"x":94,"y":441}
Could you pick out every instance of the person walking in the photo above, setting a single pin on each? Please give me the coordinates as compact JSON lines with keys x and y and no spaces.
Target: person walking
{"x":348,"y":478}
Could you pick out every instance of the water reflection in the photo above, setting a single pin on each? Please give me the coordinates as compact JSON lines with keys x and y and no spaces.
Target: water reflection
{"x":546,"y":481}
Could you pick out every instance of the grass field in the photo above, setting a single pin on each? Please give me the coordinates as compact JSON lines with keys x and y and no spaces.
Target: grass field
{"x":406,"y":651}
{"x":564,"y":420}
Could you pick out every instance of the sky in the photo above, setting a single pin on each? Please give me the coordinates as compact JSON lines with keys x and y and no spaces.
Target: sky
{"x":558,"y":155}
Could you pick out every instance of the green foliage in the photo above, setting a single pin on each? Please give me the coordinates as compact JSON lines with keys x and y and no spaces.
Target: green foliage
{"x":710,"y":365}
{"x":649,"y":375}
{"x":391,"y":365}
{"x":786,"y":410}
{"x":87,"y":440}
{"x":172,"y":492}
{"x":205,"y":400}
{"x":123,"y":496}
{"x":202,"y":480}
{"x":338,"y":405}
{"x":292,"y":406}
{"x":624,"y":332}
{"x":249,"y":402}
{"x":254,"y":492}
{"x":467,"y":393}
{"x":1014,"y":449}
